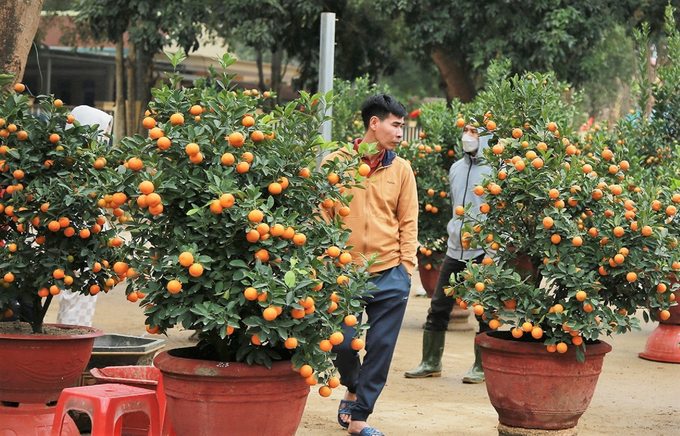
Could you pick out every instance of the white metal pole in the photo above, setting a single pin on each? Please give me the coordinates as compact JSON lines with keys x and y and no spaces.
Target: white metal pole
{"x":326,"y":57}
{"x":48,"y":86}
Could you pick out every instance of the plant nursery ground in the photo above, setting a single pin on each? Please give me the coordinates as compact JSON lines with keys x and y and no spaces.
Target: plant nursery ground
{"x":634,"y":397}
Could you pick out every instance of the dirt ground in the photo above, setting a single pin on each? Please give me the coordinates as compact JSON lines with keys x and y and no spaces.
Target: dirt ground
{"x":634,"y":397}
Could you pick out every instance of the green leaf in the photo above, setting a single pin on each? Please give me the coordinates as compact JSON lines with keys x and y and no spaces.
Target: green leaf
{"x":176,"y":58}
{"x":239,"y":275}
{"x":289,"y":279}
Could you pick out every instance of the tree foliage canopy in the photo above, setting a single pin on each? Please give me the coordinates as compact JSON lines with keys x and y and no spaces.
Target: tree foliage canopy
{"x":151,"y":25}
{"x":540,"y":34}
{"x":576,"y":39}
{"x":364,"y":37}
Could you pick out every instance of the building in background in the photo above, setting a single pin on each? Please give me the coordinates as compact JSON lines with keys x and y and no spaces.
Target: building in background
{"x":86,"y":75}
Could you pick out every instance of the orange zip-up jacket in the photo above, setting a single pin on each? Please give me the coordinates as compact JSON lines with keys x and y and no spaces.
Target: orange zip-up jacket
{"x":384,"y":215}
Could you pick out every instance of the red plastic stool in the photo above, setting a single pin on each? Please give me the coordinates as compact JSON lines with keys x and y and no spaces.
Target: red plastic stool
{"x":148,"y":377}
{"x":106,"y":404}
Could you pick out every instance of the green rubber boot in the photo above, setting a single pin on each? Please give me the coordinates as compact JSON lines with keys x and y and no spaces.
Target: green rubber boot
{"x":476,"y":373}
{"x":433,"y":348}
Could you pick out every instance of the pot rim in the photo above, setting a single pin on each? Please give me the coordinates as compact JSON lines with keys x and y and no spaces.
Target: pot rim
{"x":169,"y":362}
{"x":503,"y":340}
{"x":94,"y":333}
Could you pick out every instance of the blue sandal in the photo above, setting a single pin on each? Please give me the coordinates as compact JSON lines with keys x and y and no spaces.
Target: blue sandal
{"x":369,"y":431}
{"x":345,"y":409}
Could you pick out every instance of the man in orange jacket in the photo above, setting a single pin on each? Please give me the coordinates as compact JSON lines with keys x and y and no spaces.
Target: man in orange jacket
{"x":384,"y":221}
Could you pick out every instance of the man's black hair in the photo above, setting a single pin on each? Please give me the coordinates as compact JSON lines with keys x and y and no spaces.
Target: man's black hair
{"x":381,"y":106}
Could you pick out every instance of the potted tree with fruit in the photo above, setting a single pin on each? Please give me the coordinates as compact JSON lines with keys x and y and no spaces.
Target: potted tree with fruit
{"x":598,"y":253}
{"x":52,"y":212}
{"x":654,"y":169}
{"x":229,"y":240}
{"x":431,"y":158}
{"x":434,"y":208}
{"x":652,"y":144}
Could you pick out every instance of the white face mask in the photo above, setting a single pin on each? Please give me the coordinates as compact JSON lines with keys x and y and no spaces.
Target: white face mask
{"x":470,"y":144}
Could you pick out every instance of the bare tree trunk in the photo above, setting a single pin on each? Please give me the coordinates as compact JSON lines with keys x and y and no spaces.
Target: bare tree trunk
{"x":130,"y":114}
{"x":277,"y":61}
{"x":260,"y":71}
{"x":119,"y":116}
{"x":19,"y":21}
{"x":454,"y":74}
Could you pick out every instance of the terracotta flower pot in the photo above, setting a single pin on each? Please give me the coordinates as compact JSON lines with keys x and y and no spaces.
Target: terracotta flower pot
{"x":663,"y":344}
{"x":33,"y":371}
{"x":532,"y":388}
{"x":429,"y":277}
{"x":35,"y":368}
{"x":209,"y":398}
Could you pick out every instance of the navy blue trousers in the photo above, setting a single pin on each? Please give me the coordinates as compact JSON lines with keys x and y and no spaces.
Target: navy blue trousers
{"x":441,"y":305}
{"x":385,"y":311}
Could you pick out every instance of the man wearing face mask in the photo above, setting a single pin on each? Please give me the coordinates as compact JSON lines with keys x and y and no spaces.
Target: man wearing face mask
{"x":464,"y":175}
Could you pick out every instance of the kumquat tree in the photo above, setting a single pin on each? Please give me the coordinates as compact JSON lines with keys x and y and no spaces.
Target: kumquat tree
{"x":431,"y":158}
{"x":57,"y":195}
{"x":227,"y":231}
{"x":596,"y":236}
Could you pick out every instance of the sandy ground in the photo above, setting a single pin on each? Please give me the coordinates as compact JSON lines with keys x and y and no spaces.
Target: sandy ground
{"x":634,"y":397}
